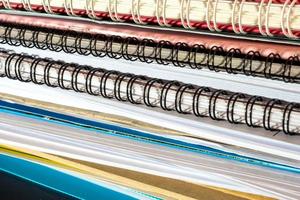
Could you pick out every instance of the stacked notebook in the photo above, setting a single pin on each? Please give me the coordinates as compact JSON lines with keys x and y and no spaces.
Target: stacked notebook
{"x":160,"y":99}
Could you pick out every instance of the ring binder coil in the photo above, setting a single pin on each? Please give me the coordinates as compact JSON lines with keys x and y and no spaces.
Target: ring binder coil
{"x":162,"y":52}
{"x":271,"y":114}
{"x":285,"y":19}
{"x":264,"y":17}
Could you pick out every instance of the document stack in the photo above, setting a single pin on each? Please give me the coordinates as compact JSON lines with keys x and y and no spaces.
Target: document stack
{"x":150,"y":99}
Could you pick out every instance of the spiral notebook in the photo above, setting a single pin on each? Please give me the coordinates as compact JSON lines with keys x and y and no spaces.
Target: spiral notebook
{"x":128,"y":95}
{"x":142,"y":94}
{"x":267,"y":18}
{"x":255,"y":111}
{"x":273,"y":61}
{"x":236,"y":138}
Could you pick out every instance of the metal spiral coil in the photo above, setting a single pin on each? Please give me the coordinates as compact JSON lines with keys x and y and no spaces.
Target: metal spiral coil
{"x":286,"y":117}
{"x":230,"y":107}
{"x":267,"y":114}
{"x":118,"y":47}
{"x":169,"y":95}
{"x":213,"y":102}
{"x":179,"y":95}
{"x":164,"y":93}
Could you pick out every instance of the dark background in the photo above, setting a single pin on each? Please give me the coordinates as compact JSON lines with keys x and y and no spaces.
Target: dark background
{"x":15,"y":188}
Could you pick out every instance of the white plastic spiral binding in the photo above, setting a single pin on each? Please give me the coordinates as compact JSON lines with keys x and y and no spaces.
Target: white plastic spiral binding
{"x":113,"y":10}
{"x":215,"y":16}
{"x":267,"y":16}
{"x":160,"y":12}
{"x":288,"y":19}
{"x":135,"y":12}
{"x":90,"y":9}
{"x":285,"y":19}
{"x":6,"y":4}
{"x":27,"y":5}
{"x":207,"y":15}
{"x":47,"y":6}
{"x":237,"y":5}
{"x":68,"y":4}
{"x":259,"y":19}
{"x":240,"y":17}
{"x":185,"y":7}
{"x":233,"y":13}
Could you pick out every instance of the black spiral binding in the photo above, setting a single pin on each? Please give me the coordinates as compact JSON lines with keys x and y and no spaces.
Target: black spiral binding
{"x":103,"y":83}
{"x":109,"y":47}
{"x":288,"y":68}
{"x":125,"y":46}
{"x":213,"y":102}
{"x":213,"y":51}
{"x":249,"y":58}
{"x":230,"y":107}
{"x":47,"y":76}
{"x":175,"y":54}
{"x":130,"y":89}
{"x":167,"y":90}
{"x":7,"y":65}
{"x":89,"y":79}
{"x":49,"y":42}
{"x":174,"y":50}
{"x":61,"y":75}
{"x":74,"y":80}
{"x":179,"y":95}
{"x":228,"y":61}
{"x":118,"y":83}
{"x":196,"y":100}
{"x":28,"y":44}
{"x":35,"y":42}
{"x":141,"y":50}
{"x":18,"y":71}
{"x":78,"y":42}
{"x":268,"y":64}
{"x":267,"y":114}
{"x":249,"y":109}
{"x":147,"y":89}
{"x":192,"y":59}
{"x":93,"y":46}
{"x":287,"y":115}
{"x":33,"y":66}
{"x":164,"y":94}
